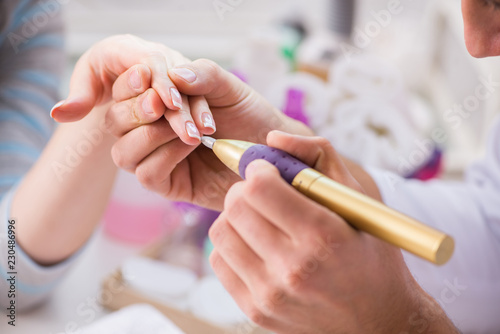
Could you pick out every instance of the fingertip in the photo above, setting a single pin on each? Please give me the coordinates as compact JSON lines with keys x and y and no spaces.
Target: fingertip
{"x":182,"y":73}
{"x":259,"y":166}
{"x":273,"y":135}
{"x":208,"y":123}
{"x":56,"y":107}
{"x":70,"y":110}
{"x":193,"y":134}
{"x":176,"y":98}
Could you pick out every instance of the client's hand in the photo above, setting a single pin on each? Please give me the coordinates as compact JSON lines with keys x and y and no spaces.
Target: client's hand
{"x":98,"y":69}
{"x":161,"y":161}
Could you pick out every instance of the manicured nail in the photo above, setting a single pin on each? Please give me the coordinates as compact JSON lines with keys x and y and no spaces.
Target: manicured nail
{"x":192,"y":131}
{"x":57,"y":105}
{"x":135,"y":79}
{"x":208,"y":120}
{"x":176,"y":97}
{"x":146,"y":106}
{"x":184,"y":73}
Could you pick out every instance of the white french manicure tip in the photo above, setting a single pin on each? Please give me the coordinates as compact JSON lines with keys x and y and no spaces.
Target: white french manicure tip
{"x":177,"y":104}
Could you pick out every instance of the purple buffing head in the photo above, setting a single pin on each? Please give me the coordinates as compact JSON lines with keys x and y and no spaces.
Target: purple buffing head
{"x":288,"y":166}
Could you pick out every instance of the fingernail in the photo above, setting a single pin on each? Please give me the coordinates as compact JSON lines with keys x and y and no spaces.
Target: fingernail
{"x":146,"y":106}
{"x":176,"y":97}
{"x":135,"y":79}
{"x":192,"y":131}
{"x":208,"y":120}
{"x":57,"y":105}
{"x":184,"y":73}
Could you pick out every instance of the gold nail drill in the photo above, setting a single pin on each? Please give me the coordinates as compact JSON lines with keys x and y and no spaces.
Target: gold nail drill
{"x":359,"y":210}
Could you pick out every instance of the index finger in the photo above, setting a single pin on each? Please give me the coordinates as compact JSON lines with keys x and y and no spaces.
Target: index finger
{"x":99,"y":67}
{"x":132,"y":83}
{"x":285,"y":207}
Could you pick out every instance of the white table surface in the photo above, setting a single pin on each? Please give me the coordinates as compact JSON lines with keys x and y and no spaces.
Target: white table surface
{"x":74,"y":303}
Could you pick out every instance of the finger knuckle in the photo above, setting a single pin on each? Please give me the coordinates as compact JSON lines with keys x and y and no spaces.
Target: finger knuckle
{"x":143,"y":69}
{"x":215,"y":261}
{"x":295,"y":275}
{"x":210,"y":67}
{"x":118,"y":157}
{"x":256,"y":185}
{"x":318,"y":220}
{"x":270,"y":300}
{"x":145,"y":176}
{"x":218,"y":230}
{"x":234,"y":197}
{"x":257,"y":316}
{"x":149,"y":136}
{"x":235,"y":209}
{"x":322,"y":142}
{"x":155,"y":54}
{"x":108,"y":120}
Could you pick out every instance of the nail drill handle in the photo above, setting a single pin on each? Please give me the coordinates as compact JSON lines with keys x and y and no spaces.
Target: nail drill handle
{"x":359,"y":210}
{"x":287,"y":165}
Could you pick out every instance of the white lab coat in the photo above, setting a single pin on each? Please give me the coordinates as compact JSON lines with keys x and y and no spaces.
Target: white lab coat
{"x":468,"y":286}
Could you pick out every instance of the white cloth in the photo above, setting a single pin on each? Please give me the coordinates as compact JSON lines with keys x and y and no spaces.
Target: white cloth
{"x":135,"y":319}
{"x":468,"y":286}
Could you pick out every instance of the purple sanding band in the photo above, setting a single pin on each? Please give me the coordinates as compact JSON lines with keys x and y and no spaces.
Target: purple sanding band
{"x":288,"y":166}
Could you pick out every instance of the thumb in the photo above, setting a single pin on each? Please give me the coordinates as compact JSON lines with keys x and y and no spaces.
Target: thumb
{"x":85,"y":92}
{"x":316,"y":152}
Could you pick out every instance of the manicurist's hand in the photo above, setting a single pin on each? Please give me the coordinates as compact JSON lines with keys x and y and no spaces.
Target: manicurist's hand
{"x":293,"y":266}
{"x":98,"y":69}
{"x":150,"y":146}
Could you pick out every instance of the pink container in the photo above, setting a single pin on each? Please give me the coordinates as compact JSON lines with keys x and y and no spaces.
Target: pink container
{"x":137,"y":215}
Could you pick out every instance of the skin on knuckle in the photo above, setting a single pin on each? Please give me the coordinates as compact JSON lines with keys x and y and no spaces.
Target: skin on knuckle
{"x":143,"y":69}
{"x":322,"y":142}
{"x":145,"y":176}
{"x":118,"y":157}
{"x":234,"y":198}
{"x":211,"y":68}
{"x":294,"y":276}
{"x":148,"y":134}
{"x":257,"y":184}
{"x":215,"y":261}
{"x":217,"y":231}
{"x":109,"y":119}
{"x":271,"y":298}
{"x":257,"y":316}
{"x":236,"y":211}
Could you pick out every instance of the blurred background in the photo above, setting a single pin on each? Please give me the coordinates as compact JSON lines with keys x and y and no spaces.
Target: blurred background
{"x":392,"y":74}
{"x":388,"y":82}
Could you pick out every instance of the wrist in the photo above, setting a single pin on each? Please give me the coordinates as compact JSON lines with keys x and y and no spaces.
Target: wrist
{"x":420,"y":313}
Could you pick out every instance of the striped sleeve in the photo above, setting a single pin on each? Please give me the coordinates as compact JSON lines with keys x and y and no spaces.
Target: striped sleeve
{"x":31,"y":64}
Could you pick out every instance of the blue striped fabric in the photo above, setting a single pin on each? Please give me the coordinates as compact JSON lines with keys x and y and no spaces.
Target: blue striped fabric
{"x":31,"y":64}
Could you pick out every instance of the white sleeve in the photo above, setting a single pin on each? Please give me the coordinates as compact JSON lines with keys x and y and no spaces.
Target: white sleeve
{"x":468,"y":286}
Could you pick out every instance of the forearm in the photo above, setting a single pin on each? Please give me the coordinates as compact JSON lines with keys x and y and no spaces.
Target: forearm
{"x":61,"y":199}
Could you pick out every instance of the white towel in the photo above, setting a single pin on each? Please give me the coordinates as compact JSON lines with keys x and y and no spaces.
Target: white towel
{"x":135,"y":319}
{"x":370,"y":132}
{"x":365,"y":75}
